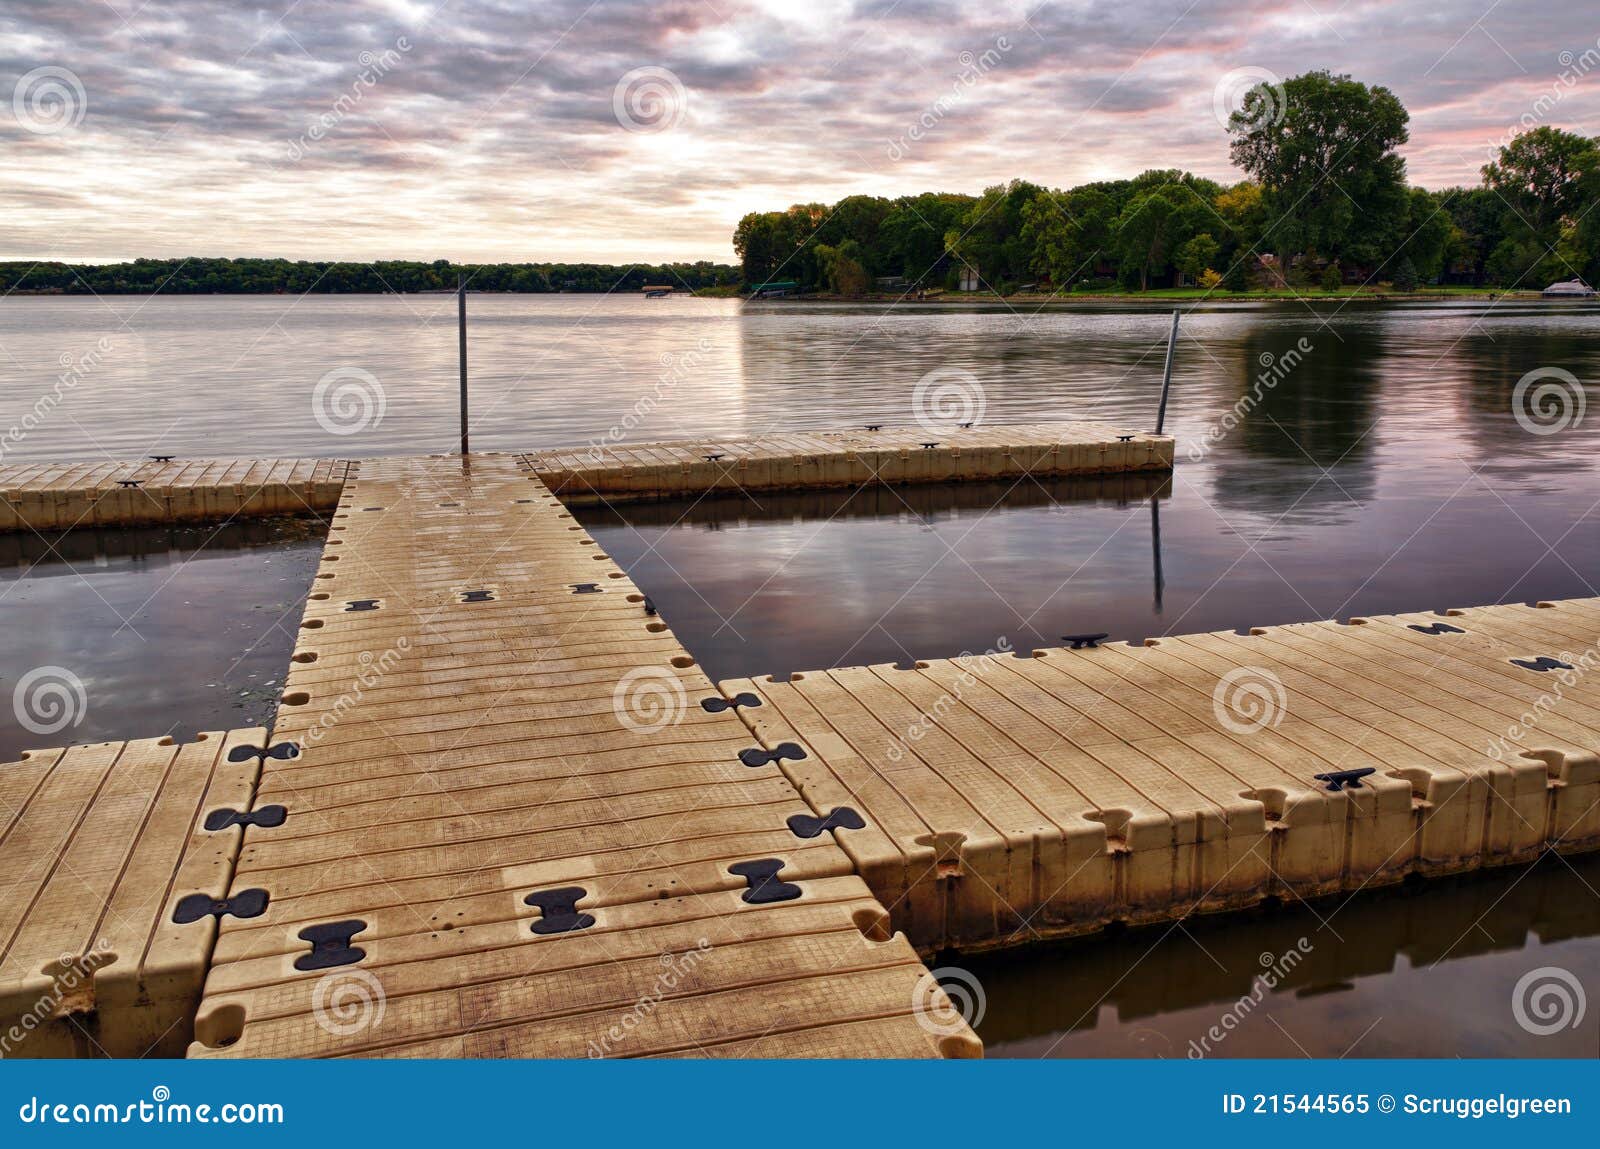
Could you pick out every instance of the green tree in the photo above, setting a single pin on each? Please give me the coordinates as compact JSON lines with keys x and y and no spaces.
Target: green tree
{"x":1323,"y":150}
{"x":1198,"y":254}
{"x":1546,"y":178}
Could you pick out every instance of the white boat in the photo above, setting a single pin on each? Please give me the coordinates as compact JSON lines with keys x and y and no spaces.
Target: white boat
{"x":1570,"y":289}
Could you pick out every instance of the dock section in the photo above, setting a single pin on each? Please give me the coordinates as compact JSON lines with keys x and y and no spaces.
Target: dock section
{"x":1005,"y":798}
{"x":164,"y":489}
{"x":616,"y":472}
{"x":114,"y":855}
{"x":520,"y":822}
{"x":67,"y":496}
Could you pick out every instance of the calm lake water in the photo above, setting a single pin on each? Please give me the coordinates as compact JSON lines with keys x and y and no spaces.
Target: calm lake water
{"x":171,"y":631}
{"x":1379,"y":466}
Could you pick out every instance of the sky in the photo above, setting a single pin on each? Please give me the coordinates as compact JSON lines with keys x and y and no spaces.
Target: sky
{"x":619,"y":132}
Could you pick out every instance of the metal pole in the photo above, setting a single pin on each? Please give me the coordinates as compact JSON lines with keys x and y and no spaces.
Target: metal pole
{"x":1166,"y":375}
{"x":461,"y":324}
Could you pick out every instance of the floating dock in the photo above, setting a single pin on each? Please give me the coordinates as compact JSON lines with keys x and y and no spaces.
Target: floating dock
{"x":1012,"y":797}
{"x":832,"y":459}
{"x":503,"y":813}
{"x":68,"y":496}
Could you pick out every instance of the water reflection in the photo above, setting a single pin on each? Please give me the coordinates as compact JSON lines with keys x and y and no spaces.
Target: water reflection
{"x":170,"y":630}
{"x":1422,"y":971}
{"x":785,"y":582}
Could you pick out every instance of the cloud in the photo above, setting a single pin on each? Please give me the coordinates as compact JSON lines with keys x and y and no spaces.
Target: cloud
{"x":365,"y":128}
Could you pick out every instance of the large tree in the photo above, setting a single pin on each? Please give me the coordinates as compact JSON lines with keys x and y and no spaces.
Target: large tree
{"x":1545,"y":181}
{"x":1322,"y":147}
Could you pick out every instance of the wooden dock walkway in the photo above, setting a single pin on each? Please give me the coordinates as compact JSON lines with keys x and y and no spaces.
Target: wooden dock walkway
{"x":478,"y":840}
{"x":1006,"y":798}
{"x":831,"y":459}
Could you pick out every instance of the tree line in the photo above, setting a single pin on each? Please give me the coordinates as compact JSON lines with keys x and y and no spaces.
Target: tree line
{"x":1325,"y":202}
{"x":298,"y":277}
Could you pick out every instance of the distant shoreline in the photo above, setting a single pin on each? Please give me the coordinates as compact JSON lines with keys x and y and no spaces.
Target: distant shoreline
{"x":1082,"y":300}
{"x":1182,"y":296}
